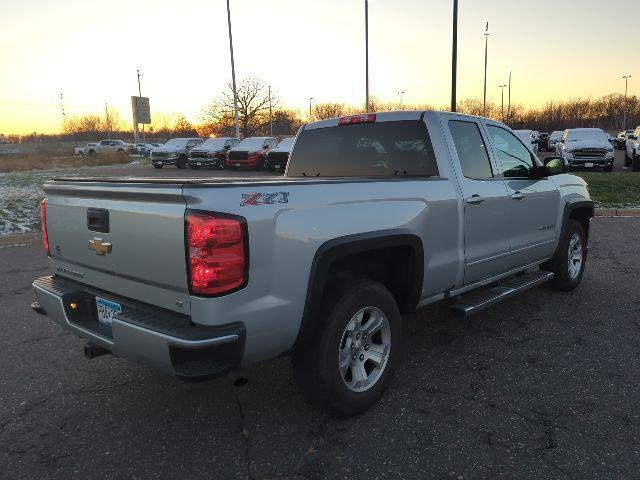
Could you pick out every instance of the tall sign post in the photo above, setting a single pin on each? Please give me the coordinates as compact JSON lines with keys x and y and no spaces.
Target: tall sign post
{"x":141,"y":114}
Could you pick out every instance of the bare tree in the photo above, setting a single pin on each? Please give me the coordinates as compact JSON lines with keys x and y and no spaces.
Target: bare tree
{"x":253,"y":106}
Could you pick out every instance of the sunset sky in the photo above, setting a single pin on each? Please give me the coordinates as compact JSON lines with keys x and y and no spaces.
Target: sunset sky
{"x":304,"y":48}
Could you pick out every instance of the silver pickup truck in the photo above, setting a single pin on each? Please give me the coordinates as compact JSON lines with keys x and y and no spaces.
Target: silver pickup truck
{"x":376,"y":215}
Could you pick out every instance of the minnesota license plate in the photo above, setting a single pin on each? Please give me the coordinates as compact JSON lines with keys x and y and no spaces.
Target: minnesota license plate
{"x":588,"y":165}
{"x":277,"y":167}
{"x":159,"y":163}
{"x":238,"y":164}
{"x":198,"y":163}
{"x":107,"y":310}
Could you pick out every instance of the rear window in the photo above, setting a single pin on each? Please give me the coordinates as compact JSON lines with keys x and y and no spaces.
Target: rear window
{"x":382,"y":149}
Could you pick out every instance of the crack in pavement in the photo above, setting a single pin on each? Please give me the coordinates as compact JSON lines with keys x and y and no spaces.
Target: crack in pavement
{"x":244,"y":432}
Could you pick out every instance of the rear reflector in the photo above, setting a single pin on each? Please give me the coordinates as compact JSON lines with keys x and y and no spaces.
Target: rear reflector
{"x":216,"y":254}
{"x":364,"y":118}
{"x":43,"y":224}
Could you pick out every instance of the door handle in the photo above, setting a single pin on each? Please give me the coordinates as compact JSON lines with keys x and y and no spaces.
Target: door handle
{"x":518,"y":195}
{"x":475,"y":199}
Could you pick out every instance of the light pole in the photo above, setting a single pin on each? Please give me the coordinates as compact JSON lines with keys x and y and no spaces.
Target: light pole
{"x":502,"y":89}
{"x":310,"y":100}
{"x":486,"y":52}
{"x":106,"y":118}
{"x":454,"y":56}
{"x":400,"y":94}
{"x":233,"y":75}
{"x":509,"y":106}
{"x":270,"y":117}
{"x":366,"y":54}
{"x":624,"y":112}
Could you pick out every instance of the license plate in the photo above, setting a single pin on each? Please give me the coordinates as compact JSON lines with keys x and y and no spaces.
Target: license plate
{"x":198,"y":163}
{"x":588,"y":165}
{"x":107,"y":310}
{"x":159,"y":163}
{"x":238,"y":164}
{"x":277,"y":167}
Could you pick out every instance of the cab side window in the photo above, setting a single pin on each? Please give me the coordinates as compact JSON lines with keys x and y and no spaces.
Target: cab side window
{"x":471,"y":148}
{"x":516,"y":160}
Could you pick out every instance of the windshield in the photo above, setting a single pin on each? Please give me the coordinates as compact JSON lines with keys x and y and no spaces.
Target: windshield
{"x":214,"y":143}
{"x":556,"y":135}
{"x":176,"y":142}
{"x":587,"y":134}
{"x":286,"y":142}
{"x":255,"y":142}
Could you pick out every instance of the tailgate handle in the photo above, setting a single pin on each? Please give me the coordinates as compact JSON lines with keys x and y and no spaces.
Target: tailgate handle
{"x":98,"y":220}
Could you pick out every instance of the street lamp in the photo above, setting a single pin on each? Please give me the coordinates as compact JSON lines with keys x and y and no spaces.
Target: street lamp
{"x":502,"y":87}
{"x":310,"y":100}
{"x":486,"y":51}
{"x":233,"y":75}
{"x":454,"y":56}
{"x":624,"y":114}
{"x":400,"y":94}
{"x":366,"y":47}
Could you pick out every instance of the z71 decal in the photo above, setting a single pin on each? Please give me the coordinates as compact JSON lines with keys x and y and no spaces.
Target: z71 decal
{"x":264,"y":198}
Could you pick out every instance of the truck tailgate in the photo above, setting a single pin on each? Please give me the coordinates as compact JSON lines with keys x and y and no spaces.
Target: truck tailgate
{"x":138,"y":253}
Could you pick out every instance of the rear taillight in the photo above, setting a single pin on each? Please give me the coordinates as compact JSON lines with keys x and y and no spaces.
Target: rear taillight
{"x":43,"y":223}
{"x":364,"y":118}
{"x":217,"y":256}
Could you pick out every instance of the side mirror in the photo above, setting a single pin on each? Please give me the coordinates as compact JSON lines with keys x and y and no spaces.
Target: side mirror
{"x":556,"y":165}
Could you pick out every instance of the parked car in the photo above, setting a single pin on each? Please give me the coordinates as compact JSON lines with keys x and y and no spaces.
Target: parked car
{"x":212,"y":153}
{"x":632,"y":151}
{"x":553,"y":140}
{"x":250,"y":152}
{"x":174,"y":152}
{"x":80,"y":151}
{"x":277,"y":158}
{"x":620,"y":141}
{"x":106,"y":146}
{"x":587,"y":148}
{"x":142,"y":148}
{"x":378,"y":214}
{"x":543,"y":142}
{"x":528,"y":136}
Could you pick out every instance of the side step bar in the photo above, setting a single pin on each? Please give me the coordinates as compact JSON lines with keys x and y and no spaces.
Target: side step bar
{"x":484,"y":299}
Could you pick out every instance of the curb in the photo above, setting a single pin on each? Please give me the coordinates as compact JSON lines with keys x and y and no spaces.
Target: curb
{"x":617,"y":212}
{"x":20,"y":240}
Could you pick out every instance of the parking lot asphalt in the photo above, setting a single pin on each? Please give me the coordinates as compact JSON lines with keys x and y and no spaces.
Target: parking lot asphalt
{"x":544,"y":386}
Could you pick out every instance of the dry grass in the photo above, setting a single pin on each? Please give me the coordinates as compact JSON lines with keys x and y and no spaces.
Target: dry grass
{"x":45,"y":162}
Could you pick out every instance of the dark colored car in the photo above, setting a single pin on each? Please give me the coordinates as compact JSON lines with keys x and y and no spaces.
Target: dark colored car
{"x":620,"y":141}
{"x":278,"y":157}
{"x":543,"y":142}
{"x":212,"y":153}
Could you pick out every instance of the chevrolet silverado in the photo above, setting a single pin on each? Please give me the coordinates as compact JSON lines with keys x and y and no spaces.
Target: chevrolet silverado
{"x":376,"y":215}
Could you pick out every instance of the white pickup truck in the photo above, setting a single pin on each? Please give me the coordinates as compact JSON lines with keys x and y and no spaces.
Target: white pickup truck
{"x":377,"y":215}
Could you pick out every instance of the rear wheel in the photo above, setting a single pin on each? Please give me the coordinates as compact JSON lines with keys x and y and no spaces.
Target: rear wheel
{"x":182,"y":162}
{"x":350,"y":362}
{"x":569,"y":263}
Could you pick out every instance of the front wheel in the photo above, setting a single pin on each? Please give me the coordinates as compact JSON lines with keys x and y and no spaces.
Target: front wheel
{"x":155,"y":165}
{"x":350,"y":362}
{"x":635,"y":164}
{"x":569,"y":263}
{"x":181,"y":163}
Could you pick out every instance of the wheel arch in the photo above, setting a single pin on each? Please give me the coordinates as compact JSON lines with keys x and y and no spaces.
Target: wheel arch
{"x":581,"y":211}
{"x":344,"y":255}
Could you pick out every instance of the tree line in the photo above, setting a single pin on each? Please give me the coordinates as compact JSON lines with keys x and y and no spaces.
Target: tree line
{"x":260,"y":113}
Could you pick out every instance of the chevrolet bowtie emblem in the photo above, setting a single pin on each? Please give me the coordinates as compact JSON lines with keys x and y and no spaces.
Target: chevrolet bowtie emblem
{"x":98,"y":246}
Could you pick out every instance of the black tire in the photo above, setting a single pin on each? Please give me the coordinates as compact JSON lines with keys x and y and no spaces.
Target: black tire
{"x":221,"y":164}
{"x":181,"y":162}
{"x":635,"y":164}
{"x":608,"y":169}
{"x":155,"y":165}
{"x":559,"y":265}
{"x":316,"y":365}
{"x":627,"y":161}
{"x":92,"y":153}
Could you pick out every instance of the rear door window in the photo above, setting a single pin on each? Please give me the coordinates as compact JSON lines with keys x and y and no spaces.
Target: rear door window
{"x":471,"y":148}
{"x":383,"y":149}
